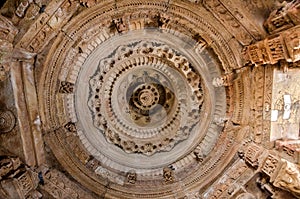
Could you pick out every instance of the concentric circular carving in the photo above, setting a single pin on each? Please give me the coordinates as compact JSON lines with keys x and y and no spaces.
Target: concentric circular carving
{"x":137,"y":91}
{"x":145,"y":98}
{"x":7,"y":121}
{"x":142,"y":98}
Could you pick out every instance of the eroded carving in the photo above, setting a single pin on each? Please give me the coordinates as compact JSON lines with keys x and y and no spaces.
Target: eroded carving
{"x":71,"y":127}
{"x":7,"y":30}
{"x":7,"y":34}
{"x":288,"y":177}
{"x":225,"y":80}
{"x":251,"y":155}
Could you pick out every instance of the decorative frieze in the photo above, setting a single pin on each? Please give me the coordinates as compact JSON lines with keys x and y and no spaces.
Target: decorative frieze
{"x":225,"y":16}
{"x":282,"y":46}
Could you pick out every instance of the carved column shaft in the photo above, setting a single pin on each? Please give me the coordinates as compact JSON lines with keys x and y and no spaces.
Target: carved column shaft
{"x":27,"y":108}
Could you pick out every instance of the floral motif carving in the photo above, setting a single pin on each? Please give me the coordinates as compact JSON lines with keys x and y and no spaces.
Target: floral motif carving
{"x":7,"y":121}
{"x":150,"y":96}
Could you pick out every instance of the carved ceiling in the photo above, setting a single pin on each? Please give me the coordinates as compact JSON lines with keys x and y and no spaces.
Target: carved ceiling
{"x":149,"y":99}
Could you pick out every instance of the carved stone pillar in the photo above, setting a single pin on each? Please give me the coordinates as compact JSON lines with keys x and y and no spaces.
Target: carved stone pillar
{"x":21,"y":64}
{"x":23,"y":83}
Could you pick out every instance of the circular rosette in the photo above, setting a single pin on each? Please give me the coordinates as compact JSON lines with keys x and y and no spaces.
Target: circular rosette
{"x":145,"y":98}
{"x":7,"y":121}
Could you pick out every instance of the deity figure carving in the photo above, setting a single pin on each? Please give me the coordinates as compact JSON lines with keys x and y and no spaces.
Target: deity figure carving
{"x":66,"y":87}
{"x":71,"y":127}
{"x":131,"y":177}
{"x":119,"y":25}
{"x":168,"y":175}
{"x":199,"y":155}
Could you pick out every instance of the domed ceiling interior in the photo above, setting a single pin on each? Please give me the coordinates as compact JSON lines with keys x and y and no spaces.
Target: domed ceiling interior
{"x":149,"y":99}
